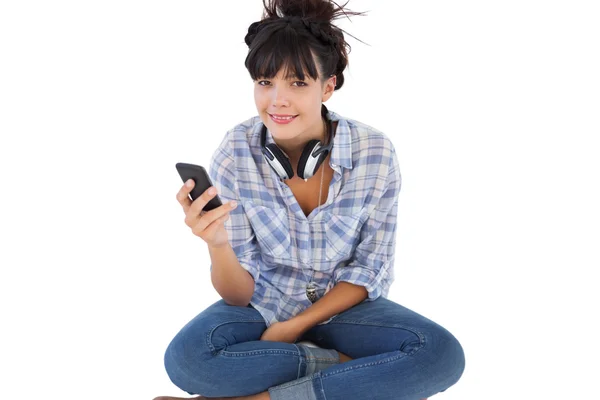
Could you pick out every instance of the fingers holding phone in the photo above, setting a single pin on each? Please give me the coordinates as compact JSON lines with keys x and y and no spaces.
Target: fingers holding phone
{"x":206,"y":214}
{"x":209,"y":225}
{"x":182,"y":195}
{"x":202,"y":183}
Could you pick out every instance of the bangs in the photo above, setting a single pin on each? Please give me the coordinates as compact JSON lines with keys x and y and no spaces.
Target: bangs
{"x":285,"y":49}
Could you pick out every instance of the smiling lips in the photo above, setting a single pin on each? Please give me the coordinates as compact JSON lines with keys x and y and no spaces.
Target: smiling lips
{"x":282,"y":119}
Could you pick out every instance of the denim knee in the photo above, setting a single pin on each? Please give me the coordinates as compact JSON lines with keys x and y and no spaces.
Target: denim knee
{"x":185,"y":360}
{"x":444,"y":356}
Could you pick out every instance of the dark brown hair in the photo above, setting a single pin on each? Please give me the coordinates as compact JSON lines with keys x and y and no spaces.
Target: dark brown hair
{"x":288,"y":34}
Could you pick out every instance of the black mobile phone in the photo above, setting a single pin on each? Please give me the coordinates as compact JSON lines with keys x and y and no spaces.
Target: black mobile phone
{"x":201,"y":183}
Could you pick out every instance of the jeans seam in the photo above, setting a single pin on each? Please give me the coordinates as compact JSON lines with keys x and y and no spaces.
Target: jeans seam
{"x":420,"y":334}
{"x":253,"y":353}
{"x":212,"y":329}
{"x":321,"y":386}
{"x":384,"y":361}
{"x":298,"y":371}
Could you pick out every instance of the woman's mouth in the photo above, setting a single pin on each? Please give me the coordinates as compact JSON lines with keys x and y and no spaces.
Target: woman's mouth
{"x":282,"y":120}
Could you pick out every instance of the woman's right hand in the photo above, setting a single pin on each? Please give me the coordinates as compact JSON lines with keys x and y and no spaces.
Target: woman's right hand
{"x":207,"y":225}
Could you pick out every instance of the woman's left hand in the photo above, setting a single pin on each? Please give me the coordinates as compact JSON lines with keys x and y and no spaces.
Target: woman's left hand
{"x":286,"y":331}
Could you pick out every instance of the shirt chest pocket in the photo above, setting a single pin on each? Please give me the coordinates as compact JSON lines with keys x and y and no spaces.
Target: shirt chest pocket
{"x":342,"y":233}
{"x":271,"y":228}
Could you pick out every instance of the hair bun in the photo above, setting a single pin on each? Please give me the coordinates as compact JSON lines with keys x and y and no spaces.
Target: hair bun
{"x":253,"y":29}
{"x":314,"y":27}
{"x":290,"y":32}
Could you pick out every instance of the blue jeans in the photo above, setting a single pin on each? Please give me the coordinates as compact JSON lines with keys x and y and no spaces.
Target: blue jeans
{"x":397,"y":354}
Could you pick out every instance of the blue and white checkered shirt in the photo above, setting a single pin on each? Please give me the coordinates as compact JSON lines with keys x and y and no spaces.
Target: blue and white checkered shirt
{"x":349,"y":238}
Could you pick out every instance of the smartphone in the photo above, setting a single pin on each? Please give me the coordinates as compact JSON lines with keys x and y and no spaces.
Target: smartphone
{"x":201,"y":183}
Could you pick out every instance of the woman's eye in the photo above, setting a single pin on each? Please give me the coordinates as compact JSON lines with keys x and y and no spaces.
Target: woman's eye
{"x":301,"y":84}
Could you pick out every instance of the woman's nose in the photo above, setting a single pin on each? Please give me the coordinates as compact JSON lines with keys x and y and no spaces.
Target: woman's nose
{"x":280,"y":96}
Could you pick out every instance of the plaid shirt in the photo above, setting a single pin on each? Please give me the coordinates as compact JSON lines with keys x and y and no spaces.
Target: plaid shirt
{"x":349,"y":238}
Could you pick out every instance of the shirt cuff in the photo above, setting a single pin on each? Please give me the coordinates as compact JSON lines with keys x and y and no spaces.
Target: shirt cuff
{"x":372,"y":280}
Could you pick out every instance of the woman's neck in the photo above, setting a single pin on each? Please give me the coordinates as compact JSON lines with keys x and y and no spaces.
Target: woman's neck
{"x":294,"y":147}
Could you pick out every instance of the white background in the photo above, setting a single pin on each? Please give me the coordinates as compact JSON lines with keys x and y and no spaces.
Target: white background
{"x":493,"y":108}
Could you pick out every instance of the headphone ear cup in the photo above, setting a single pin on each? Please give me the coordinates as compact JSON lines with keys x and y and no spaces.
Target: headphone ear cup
{"x":308,"y":164}
{"x":281,"y":164}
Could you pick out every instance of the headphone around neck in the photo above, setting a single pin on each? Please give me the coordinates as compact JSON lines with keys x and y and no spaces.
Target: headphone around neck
{"x":312,"y":156}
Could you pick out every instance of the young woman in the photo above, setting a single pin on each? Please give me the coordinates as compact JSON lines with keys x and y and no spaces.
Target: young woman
{"x":303,"y":247}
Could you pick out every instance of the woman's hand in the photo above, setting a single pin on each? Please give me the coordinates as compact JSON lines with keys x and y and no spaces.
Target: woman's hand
{"x":208,"y":225}
{"x":287,"y":331}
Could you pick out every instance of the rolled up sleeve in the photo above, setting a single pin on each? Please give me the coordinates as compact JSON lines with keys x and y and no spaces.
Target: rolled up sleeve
{"x":373,"y":260}
{"x":240,"y":233}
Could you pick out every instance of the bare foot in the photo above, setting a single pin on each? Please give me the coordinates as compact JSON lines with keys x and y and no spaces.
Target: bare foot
{"x":344,"y":358}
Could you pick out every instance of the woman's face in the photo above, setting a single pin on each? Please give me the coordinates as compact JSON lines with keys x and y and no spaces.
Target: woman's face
{"x":293,"y":97}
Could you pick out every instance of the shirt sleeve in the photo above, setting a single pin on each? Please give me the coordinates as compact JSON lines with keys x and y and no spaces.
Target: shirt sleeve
{"x":240,"y":233}
{"x":372,"y":263}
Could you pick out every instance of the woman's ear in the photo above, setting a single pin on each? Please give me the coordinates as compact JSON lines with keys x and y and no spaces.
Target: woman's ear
{"x":329,"y":87}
